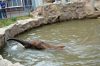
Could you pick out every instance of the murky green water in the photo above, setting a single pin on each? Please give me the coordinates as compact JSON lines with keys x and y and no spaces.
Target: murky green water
{"x":81,"y":38}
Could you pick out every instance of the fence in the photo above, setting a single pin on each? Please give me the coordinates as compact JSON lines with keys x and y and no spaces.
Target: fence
{"x":9,"y":12}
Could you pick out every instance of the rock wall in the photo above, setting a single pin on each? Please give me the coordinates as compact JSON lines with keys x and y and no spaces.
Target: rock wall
{"x":1,"y":38}
{"x":63,"y":12}
{"x":97,"y":5}
{"x":4,"y":62}
{"x":68,"y":11}
{"x":91,"y":4}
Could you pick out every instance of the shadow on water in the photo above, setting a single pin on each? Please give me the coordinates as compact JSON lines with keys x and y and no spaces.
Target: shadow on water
{"x":81,"y":38}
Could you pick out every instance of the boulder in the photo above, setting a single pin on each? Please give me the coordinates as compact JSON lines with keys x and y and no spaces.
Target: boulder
{"x":96,"y":14}
{"x":1,"y":40}
{"x":19,"y":27}
{"x":91,"y":5}
{"x":89,"y":8}
{"x":53,"y":12}
{"x":97,"y":5}
{"x":2,"y":36}
{"x":5,"y":62}
{"x":57,"y":12}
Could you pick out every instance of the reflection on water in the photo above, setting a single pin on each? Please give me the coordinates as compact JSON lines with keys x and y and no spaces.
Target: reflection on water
{"x":81,"y":38}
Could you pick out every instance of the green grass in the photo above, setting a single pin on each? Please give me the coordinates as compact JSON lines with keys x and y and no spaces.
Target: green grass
{"x":8,"y":21}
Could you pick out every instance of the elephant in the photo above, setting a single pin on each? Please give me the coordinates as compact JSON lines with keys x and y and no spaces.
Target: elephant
{"x":37,"y":44}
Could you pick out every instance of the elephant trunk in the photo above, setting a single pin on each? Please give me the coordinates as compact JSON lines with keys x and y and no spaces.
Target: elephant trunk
{"x":26,"y":44}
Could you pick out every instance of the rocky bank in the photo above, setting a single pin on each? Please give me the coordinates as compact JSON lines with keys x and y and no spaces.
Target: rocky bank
{"x":4,"y":62}
{"x":68,"y":11}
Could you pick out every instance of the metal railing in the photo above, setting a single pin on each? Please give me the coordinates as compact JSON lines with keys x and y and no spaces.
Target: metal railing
{"x":15,"y":11}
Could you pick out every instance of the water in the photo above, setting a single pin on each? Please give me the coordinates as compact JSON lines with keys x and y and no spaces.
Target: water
{"x":81,"y":38}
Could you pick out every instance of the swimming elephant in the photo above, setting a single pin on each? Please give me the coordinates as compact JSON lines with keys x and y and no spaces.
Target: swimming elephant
{"x":36,"y":44}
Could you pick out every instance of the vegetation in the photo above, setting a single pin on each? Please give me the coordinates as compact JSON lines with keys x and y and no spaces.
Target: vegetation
{"x":8,"y":21}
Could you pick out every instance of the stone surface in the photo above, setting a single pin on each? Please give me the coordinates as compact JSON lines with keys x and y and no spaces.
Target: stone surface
{"x":4,"y":62}
{"x":96,"y":14}
{"x":97,"y":5}
{"x":91,"y":4}
{"x":2,"y":35}
{"x":1,"y":40}
{"x":60,"y":12}
{"x":19,"y":27}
